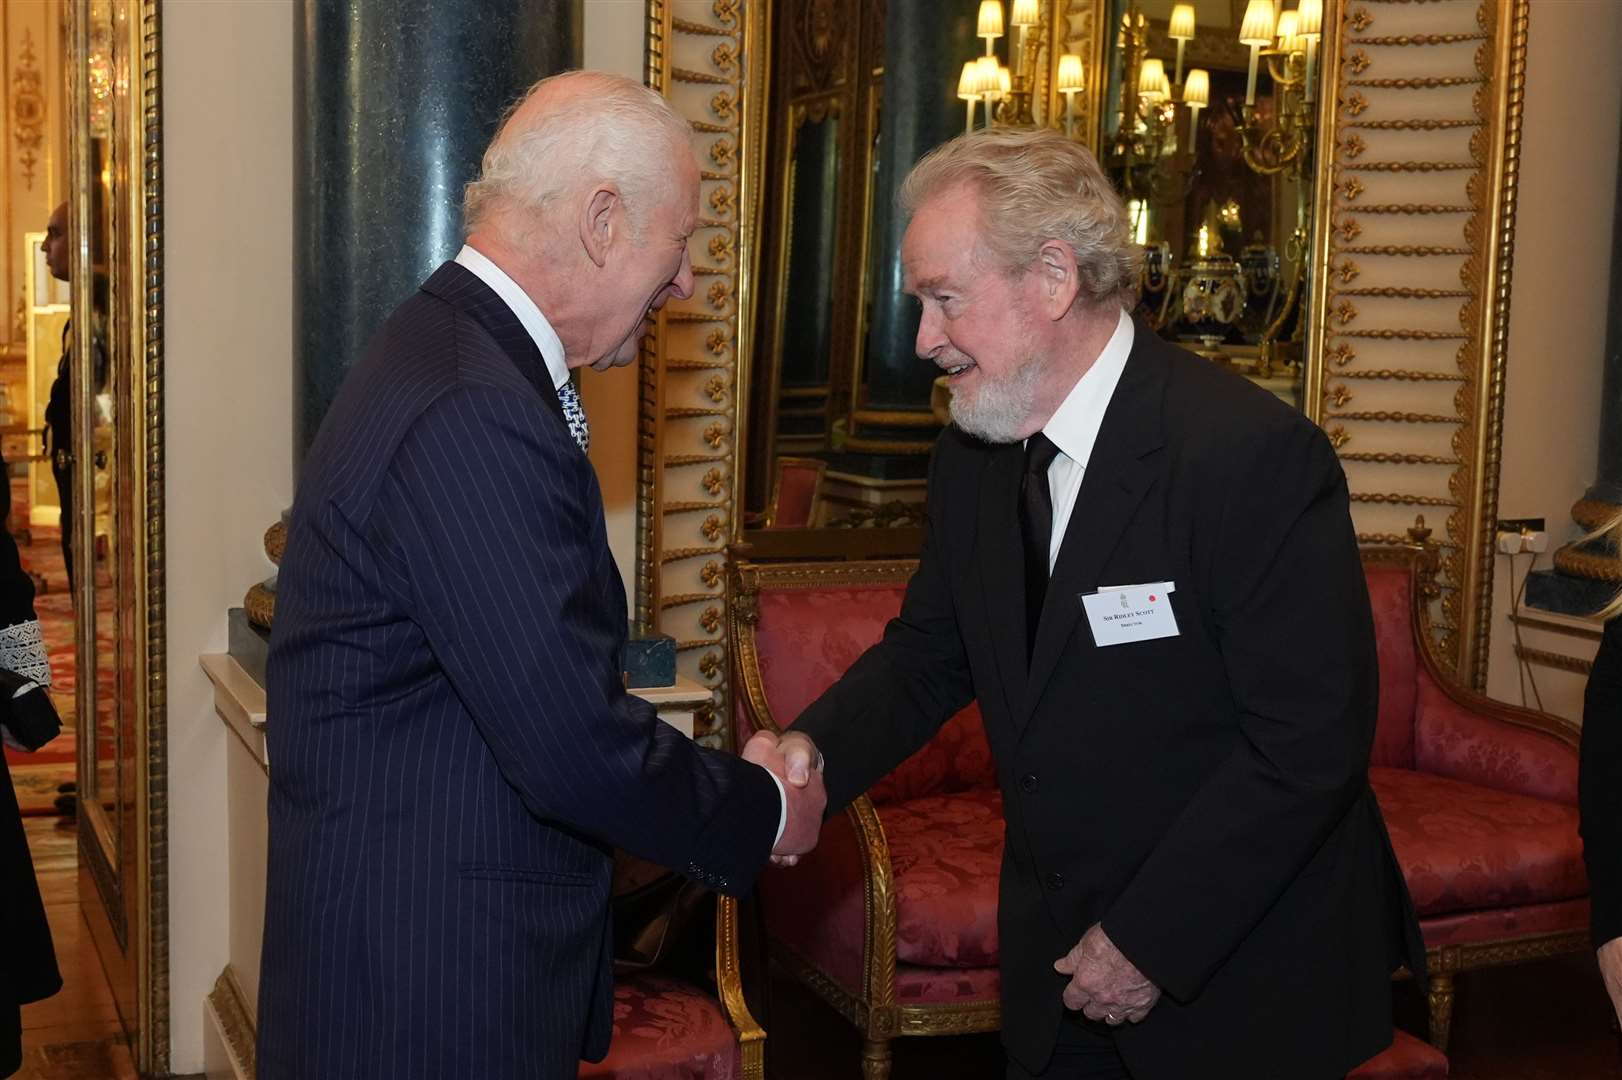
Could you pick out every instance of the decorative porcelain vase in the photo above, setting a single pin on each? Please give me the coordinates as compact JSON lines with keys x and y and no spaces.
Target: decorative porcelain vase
{"x":1213,"y":298}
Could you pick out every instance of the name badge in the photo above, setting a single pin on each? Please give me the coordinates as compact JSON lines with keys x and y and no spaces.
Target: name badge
{"x":1121,"y":614}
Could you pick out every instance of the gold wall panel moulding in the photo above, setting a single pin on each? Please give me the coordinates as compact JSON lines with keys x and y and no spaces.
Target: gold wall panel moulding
{"x":1393,"y":68}
{"x":28,"y":108}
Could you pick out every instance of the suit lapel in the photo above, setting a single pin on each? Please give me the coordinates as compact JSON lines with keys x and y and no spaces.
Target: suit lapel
{"x":462,"y":288}
{"x":1002,"y":570}
{"x":1116,"y":479}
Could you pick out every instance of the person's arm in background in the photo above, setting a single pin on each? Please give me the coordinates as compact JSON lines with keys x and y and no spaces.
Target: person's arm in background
{"x":1600,"y":787}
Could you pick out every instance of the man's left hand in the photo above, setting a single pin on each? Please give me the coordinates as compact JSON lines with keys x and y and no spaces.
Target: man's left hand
{"x":1103,"y":983}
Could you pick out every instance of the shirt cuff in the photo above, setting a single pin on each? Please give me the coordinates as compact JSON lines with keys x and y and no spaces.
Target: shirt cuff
{"x":782,"y":814}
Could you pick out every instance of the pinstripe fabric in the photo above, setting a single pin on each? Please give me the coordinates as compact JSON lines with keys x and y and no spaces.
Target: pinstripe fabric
{"x":452,"y":753}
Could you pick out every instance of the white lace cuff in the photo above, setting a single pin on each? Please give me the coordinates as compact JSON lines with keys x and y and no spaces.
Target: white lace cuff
{"x":22,"y":650}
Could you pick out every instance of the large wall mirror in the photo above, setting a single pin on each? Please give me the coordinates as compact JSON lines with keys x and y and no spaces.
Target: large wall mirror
{"x":1324,"y":192}
{"x":110,"y":456}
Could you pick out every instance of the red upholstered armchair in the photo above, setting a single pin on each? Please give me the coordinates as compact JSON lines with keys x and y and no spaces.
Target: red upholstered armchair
{"x":1480,"y":798}
{"x":796,"y":490}
{"x":893,"y":919}
{"x":667,"y":1029}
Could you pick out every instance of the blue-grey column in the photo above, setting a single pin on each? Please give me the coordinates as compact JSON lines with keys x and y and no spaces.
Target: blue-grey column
{"x":395,"y":102}
{"x":925,"y":45}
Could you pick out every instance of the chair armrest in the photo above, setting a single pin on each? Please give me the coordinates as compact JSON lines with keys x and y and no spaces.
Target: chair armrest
{"x":1464,"y":735}
{"x":836,"y":909}
{"x":729,"y":984}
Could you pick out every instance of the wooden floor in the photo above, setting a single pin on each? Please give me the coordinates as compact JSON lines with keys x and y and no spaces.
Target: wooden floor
{"x":74,"y":1035}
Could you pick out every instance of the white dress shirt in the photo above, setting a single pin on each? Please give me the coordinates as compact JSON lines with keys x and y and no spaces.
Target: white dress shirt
{"x":551,"y":346}
{"x":540,"y":331}
{"x":1073,"y":428}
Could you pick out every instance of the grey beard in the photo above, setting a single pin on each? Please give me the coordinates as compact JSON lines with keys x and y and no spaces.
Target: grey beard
{"x":998,"y":412}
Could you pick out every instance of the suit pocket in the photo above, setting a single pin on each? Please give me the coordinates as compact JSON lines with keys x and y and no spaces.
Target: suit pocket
{"x":526,"y":874}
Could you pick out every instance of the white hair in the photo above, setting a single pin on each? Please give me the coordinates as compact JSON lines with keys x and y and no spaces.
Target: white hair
{"x":612,"y":130}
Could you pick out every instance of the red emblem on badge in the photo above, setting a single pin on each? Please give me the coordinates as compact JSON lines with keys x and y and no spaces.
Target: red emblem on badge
{"x":1151,"y":598}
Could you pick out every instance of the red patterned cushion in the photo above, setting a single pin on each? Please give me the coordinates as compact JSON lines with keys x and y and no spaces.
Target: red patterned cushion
{"x":1473,"y":927}
{"x":946,"y":986}
{"x":1391,"y":595}
{"x":807,"y":638}
{"x":1405,"y":1059}
{"x":947,"y":854}
{"x":1464,"y":847}
{"x":667,"y":1030}
{"x":1452,"y":740}
{"x":797,"y":483}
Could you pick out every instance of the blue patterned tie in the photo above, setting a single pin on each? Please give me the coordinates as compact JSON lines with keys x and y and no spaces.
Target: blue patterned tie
{"x":576,"y":415}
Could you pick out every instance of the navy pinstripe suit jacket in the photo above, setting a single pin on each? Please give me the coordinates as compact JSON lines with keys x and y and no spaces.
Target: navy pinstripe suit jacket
{"x":452,"y":752}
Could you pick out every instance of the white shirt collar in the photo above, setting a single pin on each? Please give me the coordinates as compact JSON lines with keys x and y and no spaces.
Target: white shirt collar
{"x":546,"y":339}
{"x":1075,"y":423}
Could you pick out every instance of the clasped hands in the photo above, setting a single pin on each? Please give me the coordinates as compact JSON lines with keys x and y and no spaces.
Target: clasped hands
{"x":794,"y":760}
{"x":1104,"y":984}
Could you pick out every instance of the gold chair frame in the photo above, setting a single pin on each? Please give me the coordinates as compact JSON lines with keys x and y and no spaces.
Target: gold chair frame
{"x":1421,"y":558}
{"x":873,"y":1008}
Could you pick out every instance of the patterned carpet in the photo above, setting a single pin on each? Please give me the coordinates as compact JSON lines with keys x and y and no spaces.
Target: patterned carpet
{"x":37,"y":776}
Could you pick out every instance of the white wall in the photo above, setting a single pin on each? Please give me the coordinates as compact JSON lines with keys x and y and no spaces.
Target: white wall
{"x":614,"y":33}
{"x":228,"y":228}
{"x":1559,"y":298}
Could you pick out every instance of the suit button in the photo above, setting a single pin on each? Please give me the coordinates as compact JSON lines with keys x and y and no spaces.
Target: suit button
{"x":1055,"y":882}
{"x":1028,"y":782}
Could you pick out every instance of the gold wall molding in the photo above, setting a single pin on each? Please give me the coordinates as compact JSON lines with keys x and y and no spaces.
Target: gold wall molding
{"x":234,"y":1023}
{"x":1430,"y":430}
{"x":28,"y":109}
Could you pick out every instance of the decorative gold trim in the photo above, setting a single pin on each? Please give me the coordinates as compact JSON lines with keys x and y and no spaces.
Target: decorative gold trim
{"x":729,"y":984}
{"x":1592,"y":513}
{"x":1405,"y":418}
{"x":237,"y":1028}
{"x":1570,"y":560}
{"x":1560,"y":661}
{"x":1399,"y":499}
{"x":1425,"y":82}
{"x":1417,"y":124}
{"x":1399,"y":459}
{"x":1402,"y":376}
{"x":1422,"y":39}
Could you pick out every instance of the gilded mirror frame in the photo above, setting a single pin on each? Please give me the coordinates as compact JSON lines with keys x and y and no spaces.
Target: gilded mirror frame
{"x":1432,"y":442}
{"x":126,"y":896}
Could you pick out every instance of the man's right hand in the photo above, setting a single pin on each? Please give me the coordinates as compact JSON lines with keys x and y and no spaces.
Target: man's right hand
{"x":807,"y":799}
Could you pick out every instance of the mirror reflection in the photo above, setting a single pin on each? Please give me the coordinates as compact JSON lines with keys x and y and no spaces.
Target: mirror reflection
{"x":1207,"y":129}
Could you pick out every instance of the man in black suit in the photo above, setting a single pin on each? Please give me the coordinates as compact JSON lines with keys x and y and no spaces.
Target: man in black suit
{"x":1144,"y":569}
{"x":455,"y":754}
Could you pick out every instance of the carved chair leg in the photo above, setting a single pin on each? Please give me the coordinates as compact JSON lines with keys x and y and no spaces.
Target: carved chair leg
{"x":875,"y":1059}
{"x":1441,"y":1008}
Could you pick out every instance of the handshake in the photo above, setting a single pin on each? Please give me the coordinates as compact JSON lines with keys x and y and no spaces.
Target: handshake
{"x":795,"y":761}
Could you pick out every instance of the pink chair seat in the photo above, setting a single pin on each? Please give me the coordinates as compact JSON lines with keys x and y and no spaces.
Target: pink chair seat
{"x":667,"y":1030}
{"x":1405,"y":1059}
{"x":947,"y":854}
{"x":1464,"y":847}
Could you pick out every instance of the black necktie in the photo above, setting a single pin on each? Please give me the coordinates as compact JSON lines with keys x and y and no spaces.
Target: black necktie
{"x":1036,"y":529}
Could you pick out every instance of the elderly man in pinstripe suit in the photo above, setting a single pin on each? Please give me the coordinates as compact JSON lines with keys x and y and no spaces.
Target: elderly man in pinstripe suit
{"x":455,"y":753}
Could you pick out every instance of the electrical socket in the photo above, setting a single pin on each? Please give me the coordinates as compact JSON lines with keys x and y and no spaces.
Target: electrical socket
{"x":1511,"y":542}
{"x":1522,"y":525}
{"x":1536,"y":542}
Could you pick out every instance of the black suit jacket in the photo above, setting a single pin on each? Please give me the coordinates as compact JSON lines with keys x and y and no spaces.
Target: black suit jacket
{"x":1205,"y":796}
{"x":452,"y":750}
{"x":1600,"y":784}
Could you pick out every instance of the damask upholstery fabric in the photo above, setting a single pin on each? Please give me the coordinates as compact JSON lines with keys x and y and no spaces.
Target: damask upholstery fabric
{"x":817,"y":908}
{"x":1407,"y":1059}
{"x":667,"y":1030}
{"x":945,"y":986}
{"x":947,"y":854}
{"x":1505,"y":923}
{"x":1464,"y":847}
{"x":1451,"y":740}
{"x":796,"y":494}
{"x":1391,"y":596}
{"x":805,"y":640}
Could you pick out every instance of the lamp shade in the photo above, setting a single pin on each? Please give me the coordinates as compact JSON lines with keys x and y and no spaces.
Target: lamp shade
{"x":1152,"y":82}
{"x":967,"y":87}
{"x":1197,"y":88}
{"x":1005,"y":81}
{"x":1288,"y":27}
{"x":1070,"y":77}
{"x":1311,"y":22}
{"x":990,"y":19}
{"x":1181,"y":27}
{"x":1257,"y":29}
{"x":986,"y":80}
{"x":1026,"y":13}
